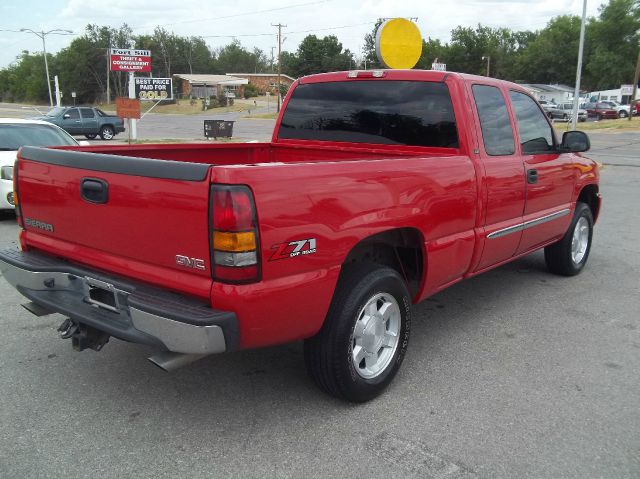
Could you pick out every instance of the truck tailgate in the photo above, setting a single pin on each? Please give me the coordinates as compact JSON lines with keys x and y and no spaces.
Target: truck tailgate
{"x":134,"y":212}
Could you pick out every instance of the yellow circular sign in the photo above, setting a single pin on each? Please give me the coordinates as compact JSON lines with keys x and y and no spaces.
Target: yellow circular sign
{"x":398,"y":43}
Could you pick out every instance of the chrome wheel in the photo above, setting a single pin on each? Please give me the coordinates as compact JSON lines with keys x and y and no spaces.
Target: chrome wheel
{"x":580,"y":240}
{"x":107,"y":133}
{"x":376,"y":335}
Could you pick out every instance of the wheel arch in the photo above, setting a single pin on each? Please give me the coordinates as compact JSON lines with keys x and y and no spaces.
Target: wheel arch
{"x":401,"y":249}
{"x":590,"y":194}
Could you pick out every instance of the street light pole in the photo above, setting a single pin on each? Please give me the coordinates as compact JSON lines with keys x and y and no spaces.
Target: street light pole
{"x":488,"y":58}
{"x":576,"y":92}
{"x":42,"y":35}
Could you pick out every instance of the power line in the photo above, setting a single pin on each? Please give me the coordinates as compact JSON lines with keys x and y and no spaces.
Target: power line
{"x":279,"y":25}
{"x":289,"y":32}
{"x":255,"y":12}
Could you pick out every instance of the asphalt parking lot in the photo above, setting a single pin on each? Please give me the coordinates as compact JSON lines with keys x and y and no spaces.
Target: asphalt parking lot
{"x":513,"y":374}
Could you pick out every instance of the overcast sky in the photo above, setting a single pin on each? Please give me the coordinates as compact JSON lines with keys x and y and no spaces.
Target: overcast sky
{"x":250,"y":22}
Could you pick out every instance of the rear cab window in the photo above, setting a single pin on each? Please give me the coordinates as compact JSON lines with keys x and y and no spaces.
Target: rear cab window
{"x":390,"y":112}
{"x":497,"y":134}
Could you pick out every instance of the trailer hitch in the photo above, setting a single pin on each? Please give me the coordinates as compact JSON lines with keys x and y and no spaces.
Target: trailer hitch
{"x":83,"y":336}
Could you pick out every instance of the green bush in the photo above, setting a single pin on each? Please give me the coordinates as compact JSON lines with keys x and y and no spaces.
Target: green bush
{"x":251,"y":91}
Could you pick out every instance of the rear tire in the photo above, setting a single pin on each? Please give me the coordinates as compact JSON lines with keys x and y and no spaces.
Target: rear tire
{"x":623,"y":114}
{"x":92,"y":136}
{"x":365,"y":335}
{"x":568,"y":256}
{"x":106,"y":132}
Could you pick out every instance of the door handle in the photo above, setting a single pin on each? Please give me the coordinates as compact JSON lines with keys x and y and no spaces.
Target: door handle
{"x":94,"y":190}
{"x":532,"y":176}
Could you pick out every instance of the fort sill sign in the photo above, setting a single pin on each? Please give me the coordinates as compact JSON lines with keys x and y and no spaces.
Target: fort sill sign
{"x":130,"y":60}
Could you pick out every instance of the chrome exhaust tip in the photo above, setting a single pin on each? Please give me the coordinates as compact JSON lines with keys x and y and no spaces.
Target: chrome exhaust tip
{"x":170,"y":361}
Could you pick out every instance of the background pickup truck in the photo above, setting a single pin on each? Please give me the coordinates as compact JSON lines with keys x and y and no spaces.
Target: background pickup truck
{"x":86,"y":121}
{"x":378,"y":189}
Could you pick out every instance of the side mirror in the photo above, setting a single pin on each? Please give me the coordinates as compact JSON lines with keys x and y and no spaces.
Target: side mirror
{"x":66,"y":116}
{"x":575,"y":142}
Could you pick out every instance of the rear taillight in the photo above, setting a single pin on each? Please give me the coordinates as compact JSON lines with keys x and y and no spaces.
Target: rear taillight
{"x":16,"y":197}
{"x":234,"y":235}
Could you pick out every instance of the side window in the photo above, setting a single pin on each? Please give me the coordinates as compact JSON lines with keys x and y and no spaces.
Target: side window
{"x":87,"y":113}
{"x":535,"y":132}
{"x":497,"y":134}
{"x":73,"y":114}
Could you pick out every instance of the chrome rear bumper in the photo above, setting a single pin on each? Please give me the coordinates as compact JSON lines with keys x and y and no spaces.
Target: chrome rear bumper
{"x":134,"y":311}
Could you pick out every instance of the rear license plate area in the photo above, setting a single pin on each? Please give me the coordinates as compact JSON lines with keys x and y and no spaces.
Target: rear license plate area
{"x":101,"y":294}
{"x":102,"y":297}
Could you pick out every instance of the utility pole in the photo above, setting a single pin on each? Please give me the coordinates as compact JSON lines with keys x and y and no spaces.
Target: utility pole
{"x":279,"y":25}
{"x":636,"y":78}
{"x":576,"y":92}
{"x":488,"y":58}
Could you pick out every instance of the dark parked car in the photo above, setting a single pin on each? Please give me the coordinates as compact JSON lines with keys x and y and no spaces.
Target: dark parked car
{"x":601,"y":111}
{"x":86,"y":121}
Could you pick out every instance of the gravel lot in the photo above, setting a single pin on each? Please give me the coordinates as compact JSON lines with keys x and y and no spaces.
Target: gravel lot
{"x":513,"y":374}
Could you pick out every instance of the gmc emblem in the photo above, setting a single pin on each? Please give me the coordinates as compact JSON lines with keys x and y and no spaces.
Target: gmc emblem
{"x":187,"y":262}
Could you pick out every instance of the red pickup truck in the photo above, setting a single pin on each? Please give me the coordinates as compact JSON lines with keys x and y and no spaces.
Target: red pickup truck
{"x":378,"y":189}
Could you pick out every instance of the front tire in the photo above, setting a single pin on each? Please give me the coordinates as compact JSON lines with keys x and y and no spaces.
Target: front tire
{"x":91,"y":136}
{"x":623,"y":114}
{"x":106,"y":132}
{"x":568,"y":256}
{"x":365,"y":335}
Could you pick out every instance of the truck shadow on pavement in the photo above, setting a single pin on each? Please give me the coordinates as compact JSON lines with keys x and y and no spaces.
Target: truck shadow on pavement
{"x":275,"y":376}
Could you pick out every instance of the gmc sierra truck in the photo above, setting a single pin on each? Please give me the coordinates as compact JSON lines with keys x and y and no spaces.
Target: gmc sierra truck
{"x":377,"y":190}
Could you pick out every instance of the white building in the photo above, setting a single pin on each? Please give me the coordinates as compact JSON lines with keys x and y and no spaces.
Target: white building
{"x":614,"y":95}
{"x":553,"y":93}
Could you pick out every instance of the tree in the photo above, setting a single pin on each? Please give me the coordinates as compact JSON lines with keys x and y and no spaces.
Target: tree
{"x":235,"y":58}
{"x":613,"y":41}
{"x":370,"y":59}
{"x":553,"y":55}
{"x":318,"y":55}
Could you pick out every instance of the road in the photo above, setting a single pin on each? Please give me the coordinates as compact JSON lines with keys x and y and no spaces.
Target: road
{"x":513,"y":374}
{"x":158,"y":126}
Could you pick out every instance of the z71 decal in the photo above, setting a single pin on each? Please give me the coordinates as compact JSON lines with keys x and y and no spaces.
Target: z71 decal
{"x":293,"y":249}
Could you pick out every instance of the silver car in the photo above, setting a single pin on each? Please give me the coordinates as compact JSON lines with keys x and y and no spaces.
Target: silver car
{"x":564,"y":111}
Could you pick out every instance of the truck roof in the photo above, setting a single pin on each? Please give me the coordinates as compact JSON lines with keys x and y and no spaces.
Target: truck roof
{"x":418,"y":75}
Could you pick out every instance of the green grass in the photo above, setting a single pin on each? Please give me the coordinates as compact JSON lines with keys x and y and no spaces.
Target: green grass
{"x":604,"y":125}
{"x":263,"y":116}
{"x":181,"y":107}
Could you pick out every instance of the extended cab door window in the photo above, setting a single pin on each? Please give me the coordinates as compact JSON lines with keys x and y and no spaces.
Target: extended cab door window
{"x":503,"y":181}
{"x":497,"y":134}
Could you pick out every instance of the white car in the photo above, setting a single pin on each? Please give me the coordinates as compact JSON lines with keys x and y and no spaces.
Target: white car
{"x":623,"y":110}
{"x":15,"y":133}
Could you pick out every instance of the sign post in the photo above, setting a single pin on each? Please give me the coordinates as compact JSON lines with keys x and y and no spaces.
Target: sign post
{"x":128,"y":108}
{"x":133,"y":128}
{"x":131,"y":60}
